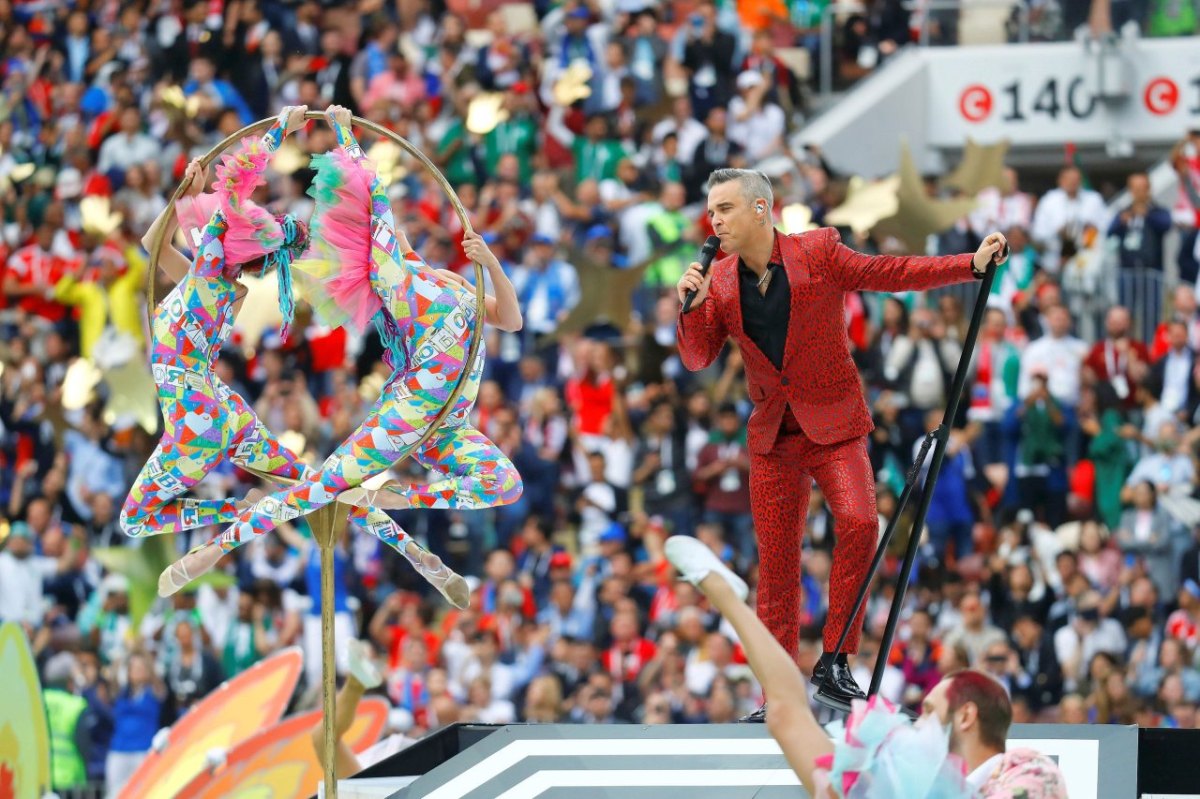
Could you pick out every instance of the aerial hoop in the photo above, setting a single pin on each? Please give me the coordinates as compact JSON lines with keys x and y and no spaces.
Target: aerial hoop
{"x":258,"y":127}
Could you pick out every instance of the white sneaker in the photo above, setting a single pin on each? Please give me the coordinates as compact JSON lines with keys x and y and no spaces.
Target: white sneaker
{"x":362,"y":665}
{"x":694,"y":561}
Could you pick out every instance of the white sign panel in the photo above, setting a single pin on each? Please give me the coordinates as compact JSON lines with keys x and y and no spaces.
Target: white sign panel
{"x":1050,"y":93}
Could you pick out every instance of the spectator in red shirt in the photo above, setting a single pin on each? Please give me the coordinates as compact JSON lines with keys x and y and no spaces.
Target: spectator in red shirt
{"x":400,"y":618}
{"x":33,"y":271}
{"x":1183,"y":309}
{"x":630,"y":652}
{"x":1113,"y":358}
{"x":1184,"y":624}
{"x":590,"y":392}
{"x":918,"y":657}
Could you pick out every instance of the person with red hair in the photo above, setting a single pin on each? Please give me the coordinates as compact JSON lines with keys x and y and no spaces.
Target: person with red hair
{"x":978,"y":711}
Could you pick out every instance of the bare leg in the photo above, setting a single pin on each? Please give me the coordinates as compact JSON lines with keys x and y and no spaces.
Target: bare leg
{"x":345,"y":762}
{"x":789,"y":717}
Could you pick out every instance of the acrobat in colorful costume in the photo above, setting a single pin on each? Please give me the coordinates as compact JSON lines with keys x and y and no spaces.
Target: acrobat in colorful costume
{"x":426,"y":322}
{"x":205,"y":420}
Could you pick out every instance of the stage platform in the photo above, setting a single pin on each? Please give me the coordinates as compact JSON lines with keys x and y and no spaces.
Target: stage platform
{"x":734,"y":761}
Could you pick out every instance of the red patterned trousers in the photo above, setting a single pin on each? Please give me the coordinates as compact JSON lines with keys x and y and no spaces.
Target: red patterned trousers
{"x":780,"y":483}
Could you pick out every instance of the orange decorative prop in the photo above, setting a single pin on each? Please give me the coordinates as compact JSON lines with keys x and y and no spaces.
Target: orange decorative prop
{"x":281,"y":762}
{"x":249,"y":703}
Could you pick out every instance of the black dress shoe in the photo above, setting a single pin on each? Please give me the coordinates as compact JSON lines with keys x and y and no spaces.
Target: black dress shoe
{"x":757,"y":717}
{"x":818,"y":673}
{"x":839,"y":690}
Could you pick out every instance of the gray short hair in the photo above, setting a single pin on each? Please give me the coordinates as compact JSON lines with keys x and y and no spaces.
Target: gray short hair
{"x":754,"y":183}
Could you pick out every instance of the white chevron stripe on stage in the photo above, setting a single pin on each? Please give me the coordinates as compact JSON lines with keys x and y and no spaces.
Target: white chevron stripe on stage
{"x":515,"y":752}
{"x":698,"y":761}
{"x":542,"y":781}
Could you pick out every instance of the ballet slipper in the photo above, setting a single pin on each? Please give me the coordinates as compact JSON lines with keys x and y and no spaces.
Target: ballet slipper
{"x":381,"y":499}
{"x":449,"y":583}
{"x":194,"y":564}
{"x":251,"y":499}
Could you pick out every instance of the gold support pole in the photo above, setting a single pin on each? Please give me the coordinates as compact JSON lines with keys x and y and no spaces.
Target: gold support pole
{"x":327,"y":523}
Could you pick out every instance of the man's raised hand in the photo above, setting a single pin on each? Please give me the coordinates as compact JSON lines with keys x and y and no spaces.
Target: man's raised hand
{"x":693,"y":279}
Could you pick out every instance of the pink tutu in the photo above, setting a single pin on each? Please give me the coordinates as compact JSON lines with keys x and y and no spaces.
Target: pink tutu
{"x":335,"y":272}
{"x":252,"y":232}
{"x":883,"y":755}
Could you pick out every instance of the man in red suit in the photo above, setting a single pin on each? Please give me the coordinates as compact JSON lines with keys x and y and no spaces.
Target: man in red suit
{"x":782,"y":299}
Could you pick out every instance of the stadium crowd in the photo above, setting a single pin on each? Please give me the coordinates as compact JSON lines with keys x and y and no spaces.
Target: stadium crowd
{"x":1060,"y":553}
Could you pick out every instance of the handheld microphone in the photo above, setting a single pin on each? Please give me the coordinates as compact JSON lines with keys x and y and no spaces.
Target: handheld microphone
{"x":707,"y":253}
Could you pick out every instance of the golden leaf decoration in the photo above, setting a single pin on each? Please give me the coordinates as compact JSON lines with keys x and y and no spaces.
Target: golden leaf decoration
{"x":605,"y":295}
{"x":981,"y":167}
{"x":866,"y":204}
{"x":174,"y":99}
{"x":574,"y":85}
{"x":98,"y":216}
{"x":485,"y":112}
{"x":919,"y":216}
{"x":132,"y":394}
{"x":289,"y":159}
{"x":388,"y":159}
{"x":797,"y":218}
{"x":79,"y":384}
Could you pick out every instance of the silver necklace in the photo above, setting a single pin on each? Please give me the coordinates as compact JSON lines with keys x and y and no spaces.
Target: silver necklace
{"x":766,"y":278}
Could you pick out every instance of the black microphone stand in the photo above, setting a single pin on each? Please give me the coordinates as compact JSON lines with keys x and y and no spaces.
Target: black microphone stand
{"x":938,"y":439}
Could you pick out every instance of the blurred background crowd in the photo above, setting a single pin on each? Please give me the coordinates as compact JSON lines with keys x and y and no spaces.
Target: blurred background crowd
{"x":1060,"y":553}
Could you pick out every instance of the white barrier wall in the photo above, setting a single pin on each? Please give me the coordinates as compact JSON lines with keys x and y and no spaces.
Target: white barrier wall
{"x":1042,"y":94}
{"x":1142,"y":93}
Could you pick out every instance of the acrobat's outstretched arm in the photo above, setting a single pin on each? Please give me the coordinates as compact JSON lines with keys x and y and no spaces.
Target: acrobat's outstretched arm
{"x":381,"y":204}
{"x":171,"y":260}
{"x":242,"y":173}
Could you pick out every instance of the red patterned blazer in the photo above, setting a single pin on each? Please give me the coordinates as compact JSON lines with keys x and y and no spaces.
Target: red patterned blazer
{"x":819,"y":379}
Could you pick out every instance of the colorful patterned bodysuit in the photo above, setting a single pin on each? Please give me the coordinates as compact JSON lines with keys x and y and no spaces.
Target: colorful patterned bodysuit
{"x":206,"y":421}
{"x":426,"y":321}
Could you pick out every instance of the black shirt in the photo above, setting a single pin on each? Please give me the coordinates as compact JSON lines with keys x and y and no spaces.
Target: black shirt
{"x":765,"y":316}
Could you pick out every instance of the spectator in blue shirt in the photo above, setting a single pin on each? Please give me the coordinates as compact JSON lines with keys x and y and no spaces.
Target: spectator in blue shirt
{"x":137,"y":714}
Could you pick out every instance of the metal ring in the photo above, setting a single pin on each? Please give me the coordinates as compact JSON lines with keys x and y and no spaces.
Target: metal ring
{"x":258,"y":127}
